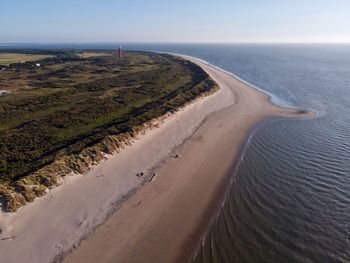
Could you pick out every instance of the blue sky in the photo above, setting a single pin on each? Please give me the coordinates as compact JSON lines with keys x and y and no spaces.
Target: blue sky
{"x":174,"y":21}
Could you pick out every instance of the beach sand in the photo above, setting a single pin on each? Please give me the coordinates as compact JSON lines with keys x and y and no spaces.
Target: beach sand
{"x":125,"y":218}
{"x":164,"y":220}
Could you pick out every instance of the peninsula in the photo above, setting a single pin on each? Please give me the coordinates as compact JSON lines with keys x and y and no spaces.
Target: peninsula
{"x":154,"y":199}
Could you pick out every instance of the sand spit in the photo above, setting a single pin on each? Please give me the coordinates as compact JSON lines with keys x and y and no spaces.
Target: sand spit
{"x":164,"y":220}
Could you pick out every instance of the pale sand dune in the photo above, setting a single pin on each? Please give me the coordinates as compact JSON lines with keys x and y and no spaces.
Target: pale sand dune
{"x":4,"y":92}
{"x":56,"y":222}
{"x":164,"y":220}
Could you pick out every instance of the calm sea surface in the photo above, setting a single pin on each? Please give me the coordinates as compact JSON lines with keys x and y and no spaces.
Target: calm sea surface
{"x":290,"y":195}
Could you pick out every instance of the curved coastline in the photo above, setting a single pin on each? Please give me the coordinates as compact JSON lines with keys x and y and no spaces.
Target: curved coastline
{"x":153,"y":229}
{"x":273,"y":99}
{"x":222,"y":199}
{"x":131,"y":211}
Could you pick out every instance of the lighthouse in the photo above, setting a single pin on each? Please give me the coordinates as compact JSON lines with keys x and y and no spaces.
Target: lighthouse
{"x":119,"y":52}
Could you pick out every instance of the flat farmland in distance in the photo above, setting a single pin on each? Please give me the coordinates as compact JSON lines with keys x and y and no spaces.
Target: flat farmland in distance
{"x":10,"y":58}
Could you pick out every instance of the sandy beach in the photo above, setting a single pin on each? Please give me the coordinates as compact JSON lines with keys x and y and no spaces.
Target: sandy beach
{"x":164,"y":220}
{"x":160,"y":216}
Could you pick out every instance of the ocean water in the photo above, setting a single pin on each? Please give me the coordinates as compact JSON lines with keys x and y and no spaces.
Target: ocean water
{"x":290,"y":195}
{"x":289,"y":200}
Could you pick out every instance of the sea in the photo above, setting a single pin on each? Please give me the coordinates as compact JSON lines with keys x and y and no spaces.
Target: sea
{"x":289,"y":196}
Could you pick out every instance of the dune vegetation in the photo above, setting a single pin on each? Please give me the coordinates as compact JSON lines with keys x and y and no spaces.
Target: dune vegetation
{"x":64,"y":115}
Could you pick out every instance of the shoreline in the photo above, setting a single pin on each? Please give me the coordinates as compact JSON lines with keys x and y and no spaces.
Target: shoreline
{"x":122,"y":190}
{"x":307,"y":113}
{"x":51,"y":224}
{"x":219,"y":201}
{"x":155,"y":237}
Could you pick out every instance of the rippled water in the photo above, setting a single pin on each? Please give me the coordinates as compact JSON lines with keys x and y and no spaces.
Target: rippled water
{"x":290,"y":196}
{"x":290,"y":199}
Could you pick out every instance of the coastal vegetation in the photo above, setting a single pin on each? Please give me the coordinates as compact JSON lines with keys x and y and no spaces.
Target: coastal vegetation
{"x":66,"y":110}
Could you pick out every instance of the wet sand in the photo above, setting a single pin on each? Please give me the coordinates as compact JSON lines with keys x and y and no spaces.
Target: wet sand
{"x":165,"y":219}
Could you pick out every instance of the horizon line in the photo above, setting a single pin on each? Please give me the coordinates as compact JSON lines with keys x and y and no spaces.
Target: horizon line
{"x":161,"y":42}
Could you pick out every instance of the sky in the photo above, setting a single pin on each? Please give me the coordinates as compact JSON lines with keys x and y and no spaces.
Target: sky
{"x":228,"y":21}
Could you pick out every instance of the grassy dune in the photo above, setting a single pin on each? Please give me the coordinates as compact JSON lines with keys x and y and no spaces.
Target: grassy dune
{"x":92,"y":54}
{"x":63,"y":116}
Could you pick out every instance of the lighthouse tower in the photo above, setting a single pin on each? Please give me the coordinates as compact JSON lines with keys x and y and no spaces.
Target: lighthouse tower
{"x":119,"y":52}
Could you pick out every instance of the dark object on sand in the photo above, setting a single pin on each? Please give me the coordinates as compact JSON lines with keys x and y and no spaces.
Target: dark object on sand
{"x":140,"y":174}
{"x":176,"y":156}
{"x":152,"y":176}
{"x":7,"y":238}
{"x":302,"y":112}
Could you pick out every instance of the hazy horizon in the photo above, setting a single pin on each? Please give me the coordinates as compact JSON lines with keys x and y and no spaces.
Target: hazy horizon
{"x":156,"y":21}
{"x":174,"y":42}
